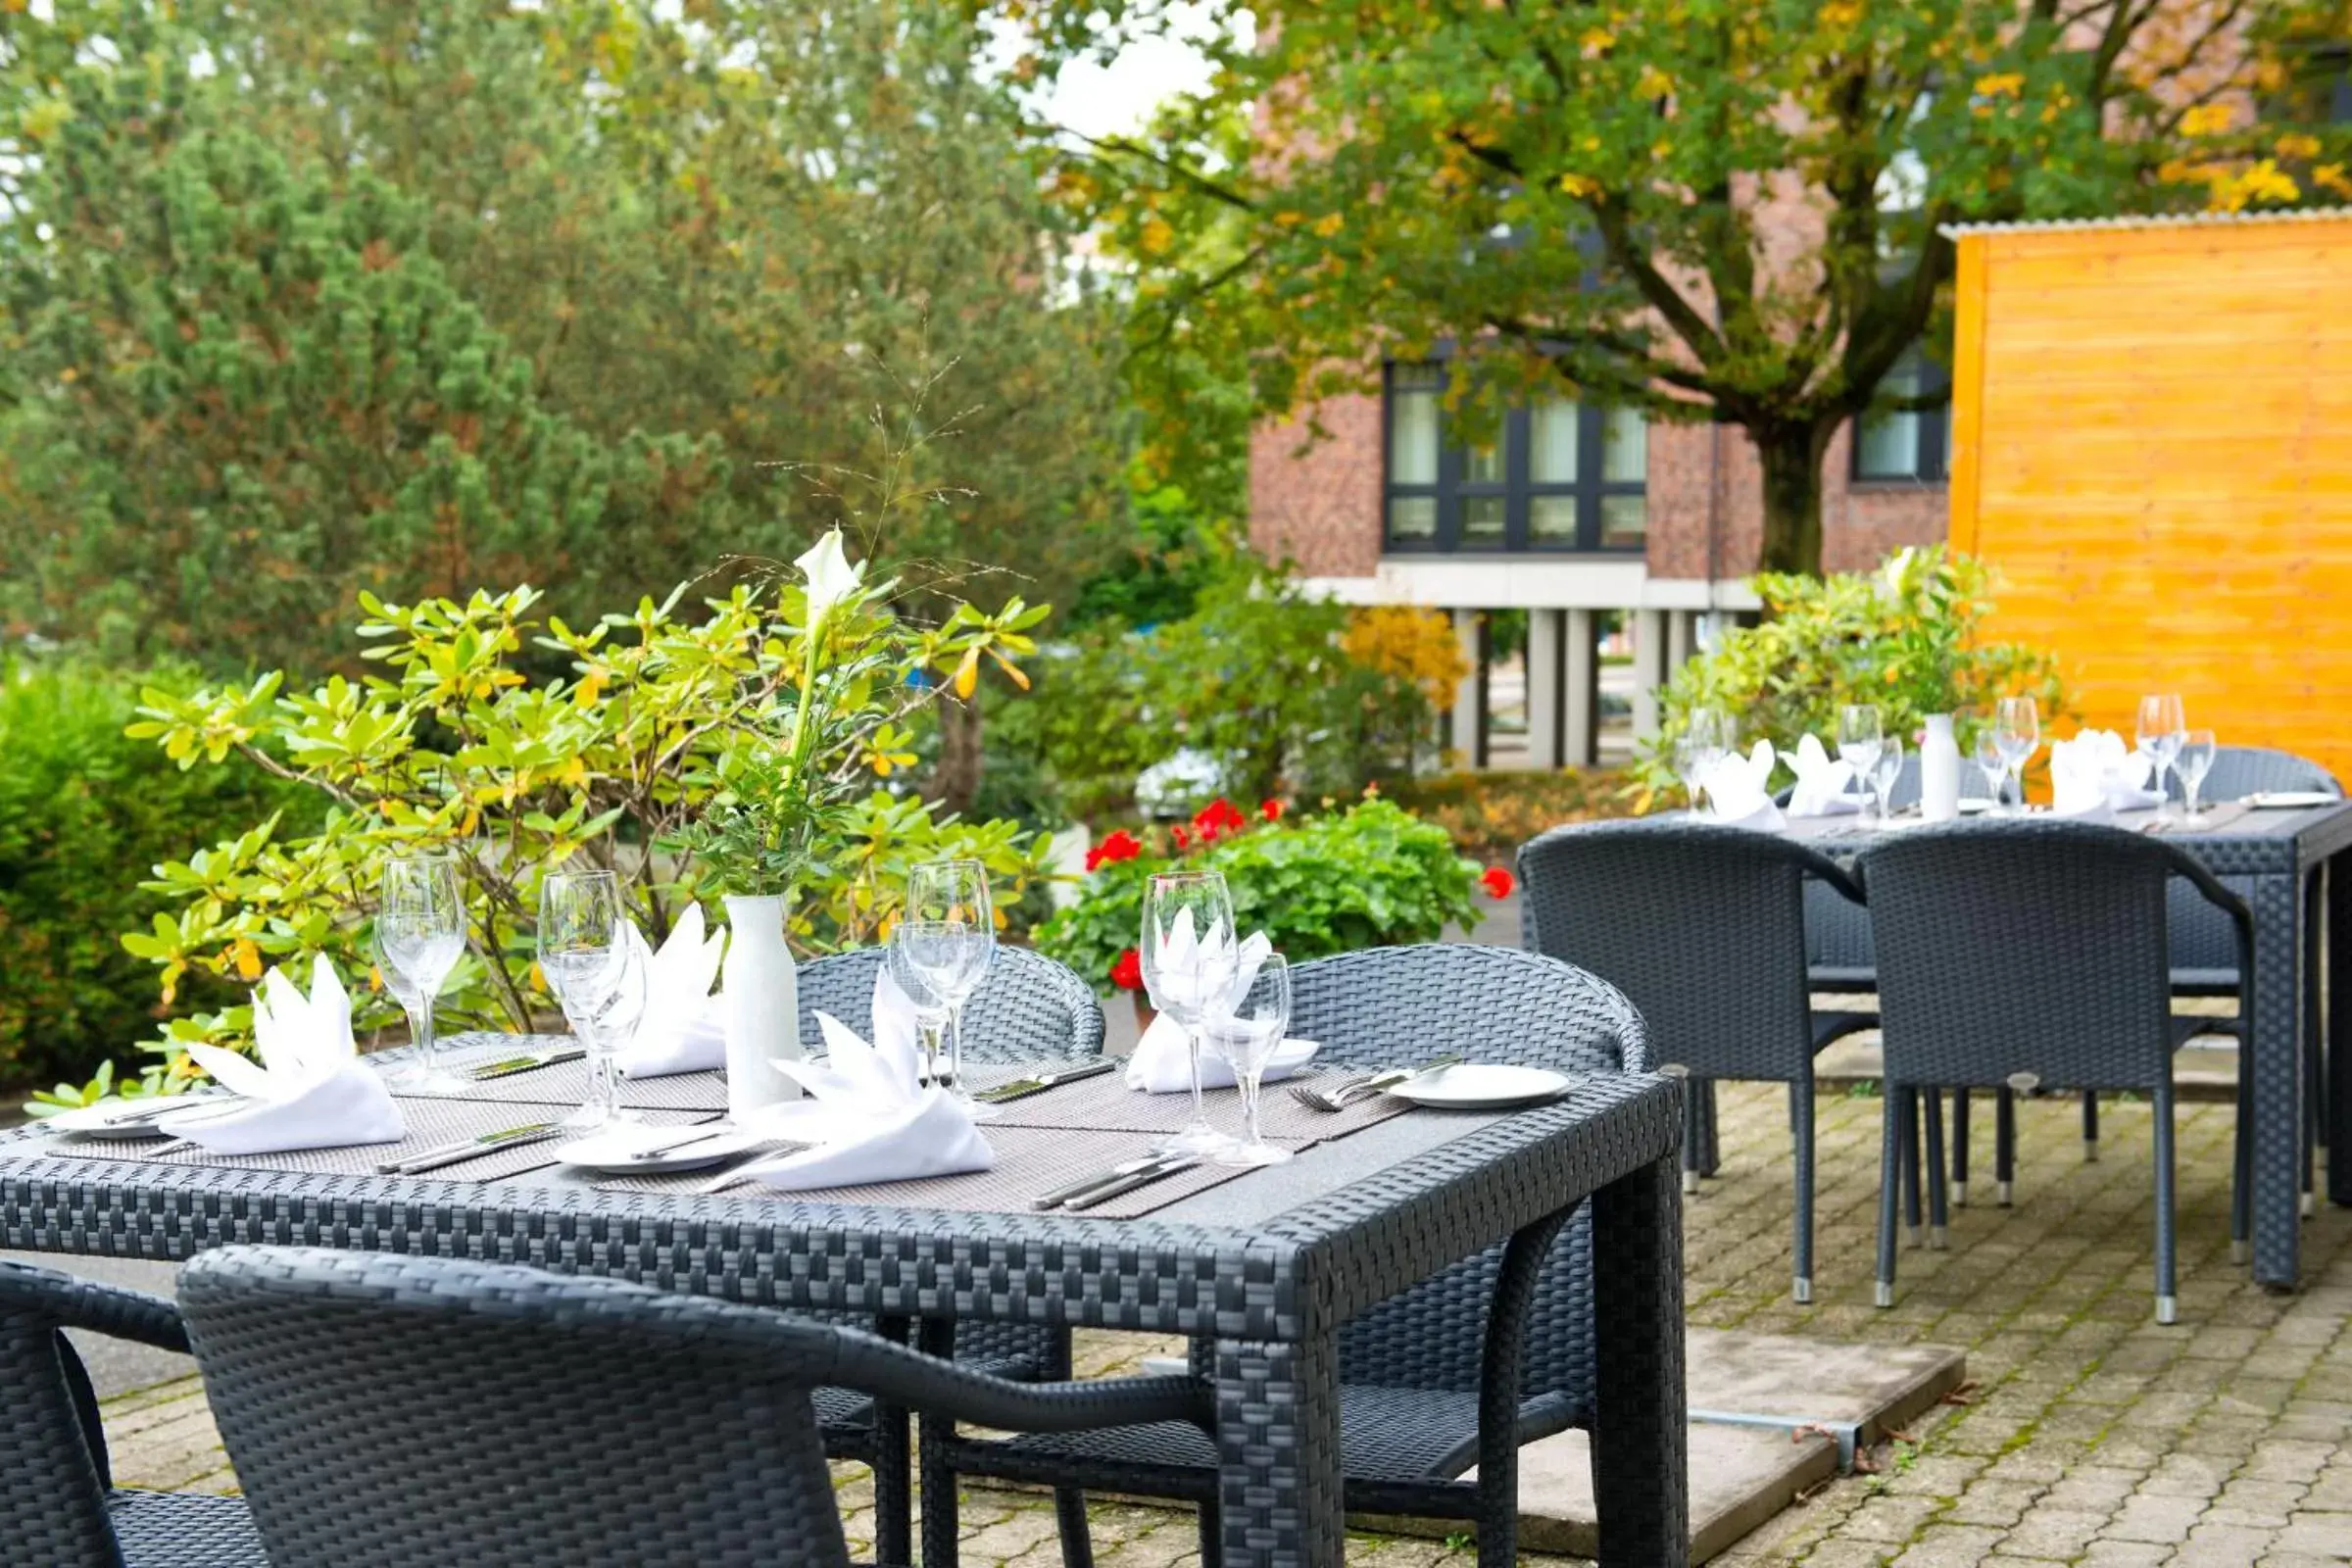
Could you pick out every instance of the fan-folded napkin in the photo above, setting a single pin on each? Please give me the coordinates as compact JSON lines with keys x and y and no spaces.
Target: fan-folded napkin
{"x":1822,"y":781}
{"x":1161,"y":1062}
{"x":682,"y":1028}
{"x":309,"y":1089}
{"x":2095,"y":775}
{"x":1736,"y":791}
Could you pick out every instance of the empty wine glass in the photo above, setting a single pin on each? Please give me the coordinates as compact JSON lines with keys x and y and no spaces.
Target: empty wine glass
{"x":1189,"y":956}
{"x":1705,"y":737}
{"x":586,"y":954}
{"x":956,"y":892}
{"x":1993,"y":767}
{"x":1247,"y":1024}
{"x":2158,"y":734}
{"x":1884,"y":775}
{"x":949,"y":958}
{"x":1859,"y":741}
{"x":2016,"y":732}
{"x":930,"y":1013}
{"x":2192,"y":764}
{"x":419,"y":936}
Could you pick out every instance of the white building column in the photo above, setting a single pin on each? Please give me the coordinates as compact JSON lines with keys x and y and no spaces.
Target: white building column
{"x":1681,"y":639}
{"x":1580,"y":722}
{"x":1650,"y":670}
{"x":1469,"y":697}
{"x":1543,"y":635}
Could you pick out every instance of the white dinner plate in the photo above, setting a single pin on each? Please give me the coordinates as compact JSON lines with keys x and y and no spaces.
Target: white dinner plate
{"x":113,"y":1118}
{"x":1473,"y":1086}
{"x":2289,"y":800}
{"x":618,"y":1150}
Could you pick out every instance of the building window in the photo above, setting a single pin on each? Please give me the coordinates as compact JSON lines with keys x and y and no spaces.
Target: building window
{"x":1911,"y":444}
{"x":1557,"y":475}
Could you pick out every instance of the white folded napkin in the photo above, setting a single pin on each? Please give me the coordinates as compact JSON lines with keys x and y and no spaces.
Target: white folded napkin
{"x":309,"y":1090}
{"x":2095,"y":772}
{"x":1161,"y":1065}
{"x":1823,"y":781}
{"x":867,"y":1114}
{"x":682,"y":1028}
{"x":1736,"y":789}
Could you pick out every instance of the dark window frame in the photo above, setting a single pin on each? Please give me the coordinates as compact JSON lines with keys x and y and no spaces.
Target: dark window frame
{"x":1517,"y":488}
{"x":1935,"y":460}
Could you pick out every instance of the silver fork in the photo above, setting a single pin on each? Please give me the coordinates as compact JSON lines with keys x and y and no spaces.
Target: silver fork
{"x":1342,"y":1095}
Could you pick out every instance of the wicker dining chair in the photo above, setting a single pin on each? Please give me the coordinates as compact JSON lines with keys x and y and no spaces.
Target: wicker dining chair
{"x":1702,"y":926}
{"x":59,"y":1505}
{"x":1028,"y":1009}
{"x":2026,"y":952}
{"x":1410,"y":1367}
{"x":419,"y":1412}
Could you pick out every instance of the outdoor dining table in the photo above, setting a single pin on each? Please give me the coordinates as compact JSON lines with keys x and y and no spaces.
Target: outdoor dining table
{"x":1267,"y":1268}
{"x":2276,"y":860}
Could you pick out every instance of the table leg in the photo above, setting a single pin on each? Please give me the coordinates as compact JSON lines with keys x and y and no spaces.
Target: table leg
{"x":2274,"y":1064}
{"x":2339,"y":1031}
{"x":1640,"y":1470}
{"x":894,"y":1467}
{"x":1278,"y":1445}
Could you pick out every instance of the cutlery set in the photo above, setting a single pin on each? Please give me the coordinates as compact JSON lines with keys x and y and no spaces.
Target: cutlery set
{"x":1339,"y":1096}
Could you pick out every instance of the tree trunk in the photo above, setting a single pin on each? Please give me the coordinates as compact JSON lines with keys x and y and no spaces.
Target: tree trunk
{"x":1792,"y":458}
{"x":956,"y":782}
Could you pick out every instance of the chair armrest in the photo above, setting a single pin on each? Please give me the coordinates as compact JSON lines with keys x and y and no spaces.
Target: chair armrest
{"x":79,"y":1304}
{"x":920,"y":1382}
{"x":1847,"y":885}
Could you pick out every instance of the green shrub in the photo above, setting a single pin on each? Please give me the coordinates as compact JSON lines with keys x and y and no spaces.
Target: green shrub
{"x":1371,"y":875}
{"x":1905,"y":638}
{"x":84,"y":814}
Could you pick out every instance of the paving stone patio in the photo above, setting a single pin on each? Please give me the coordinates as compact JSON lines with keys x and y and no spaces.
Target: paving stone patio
{"x":2091,"y":1436}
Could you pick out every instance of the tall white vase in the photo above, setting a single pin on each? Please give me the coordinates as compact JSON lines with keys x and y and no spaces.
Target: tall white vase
{"x":762,"y":992}
{"x":1938,"y":771}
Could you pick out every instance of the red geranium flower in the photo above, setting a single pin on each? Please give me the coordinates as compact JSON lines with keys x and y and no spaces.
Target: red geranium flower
{"x":1217,"y":818}
{"x":1271,"y":811}
{"x":1184,"y":840}
{"x":1127,"y":971}
{"x":1119,"y":845}
{"x":1497,"y":882}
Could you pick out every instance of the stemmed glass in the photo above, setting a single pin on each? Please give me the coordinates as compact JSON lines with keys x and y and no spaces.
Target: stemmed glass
{"x":1247,"y":1024}
{"x":2017,"y":734}
{"x":1883,"y":776}
{"x":951,"y":944}
{"x":1995,"y":767}
{"x":1699,"y":747}
{"x":1189,"y":956}
{"x":419,"y":935}
{"x":593,"y":960}
{"x":930,"y":1013}
{"x":1860,"y":740}
{"x":2158,"y":734}
{"x":2192,"y":764}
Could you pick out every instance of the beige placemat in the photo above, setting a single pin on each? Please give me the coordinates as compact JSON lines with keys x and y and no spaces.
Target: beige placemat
{"x":567,"y":1081}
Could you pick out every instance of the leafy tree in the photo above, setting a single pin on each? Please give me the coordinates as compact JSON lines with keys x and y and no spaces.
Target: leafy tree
{"x":1714,"y":210}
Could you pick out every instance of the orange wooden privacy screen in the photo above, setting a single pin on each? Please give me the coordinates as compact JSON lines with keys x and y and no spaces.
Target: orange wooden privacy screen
{"x":2152,"y":441}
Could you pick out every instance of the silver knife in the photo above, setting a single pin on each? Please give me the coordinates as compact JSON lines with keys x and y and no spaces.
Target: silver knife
{"x":1128,"y":1184}
{"x":1023,"y":1088}
{"x":508,"y":1065}
{"x":1062,"y":1195}
{"x":467,"y":1148}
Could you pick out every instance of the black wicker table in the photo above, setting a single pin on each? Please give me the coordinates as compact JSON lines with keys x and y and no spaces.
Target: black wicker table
{"x":2275,"y":860}
{"x":1265,"y":1268}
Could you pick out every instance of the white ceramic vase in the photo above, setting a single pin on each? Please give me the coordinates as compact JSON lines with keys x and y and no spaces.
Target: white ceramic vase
{"x":762,"y":995}
{"x":1938,"y":771}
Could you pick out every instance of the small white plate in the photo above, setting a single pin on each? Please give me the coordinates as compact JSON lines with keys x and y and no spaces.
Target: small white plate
{"x":616,"y":1153}
{"x":1972,"y":805}
{"x":111,"y":1118}
{"x":2289,"y":800}
{"x":1475,"y":1086}
{"x":1288,"y":1059}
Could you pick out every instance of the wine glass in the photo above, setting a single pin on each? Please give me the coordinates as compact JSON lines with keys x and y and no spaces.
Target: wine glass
{"x":1995,"y":767}
{"x":949,"y":958}
{"x":1860,"y":740}
{"x":1691,"y":760}
{"x":956,"y":891}
{"x":2158,"y":734}
{"x":930,"y":1013}
{"x":2016,"y":733}
{"x":1247,"y":1024}
{"x":1189,"y":956}
{"x":2192,"y":764}
{"x":419,"y":936}
{"x":586,"y":954}
{"x":1883,"y":776}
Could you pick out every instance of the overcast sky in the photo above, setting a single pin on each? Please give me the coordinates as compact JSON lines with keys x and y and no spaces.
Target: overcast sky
{"x":1109,"y":100}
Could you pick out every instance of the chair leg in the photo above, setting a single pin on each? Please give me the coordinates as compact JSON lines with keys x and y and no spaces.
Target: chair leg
{"x":1889,"y":1179}
{"x":894,"y":1467}
{"x":1077,"y":1536}
{"x":2241,"y":1175}
{"x":2005,"y":1145}
{"x":2168,"y":1297}
{"x":1713,"y":1162}
{"x":1907,"y":1114}
{"x":2091,"y":1128}
{"x":1213,"y":1533}
{"x":1694,"y":1133}
{"x":1960,"y":1148}
{"x":941,"y":1524}
{"x":1800,"y":1116}
{"x":1938,"y":1219}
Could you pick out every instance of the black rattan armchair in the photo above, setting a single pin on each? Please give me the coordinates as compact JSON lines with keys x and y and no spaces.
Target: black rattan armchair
{"x":1702,"y":926}
{"x":420,"y":1412}
{"x":59,"y":1505}
{"x":2028,"y":953}
{"x":1029,"y":1008}
{"x":1412,"y":1368}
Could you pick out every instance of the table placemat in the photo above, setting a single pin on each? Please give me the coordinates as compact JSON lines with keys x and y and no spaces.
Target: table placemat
{"x":1029,"y":1160}
{"x":567,"y":1081}
{"x":2211,"y":819}
{"x":431,"y":1124}
{"x":1105,"y":1102}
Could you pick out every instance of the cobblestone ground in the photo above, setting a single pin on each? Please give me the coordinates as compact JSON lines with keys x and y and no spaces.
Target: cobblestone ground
{"x":2091,"y":1435}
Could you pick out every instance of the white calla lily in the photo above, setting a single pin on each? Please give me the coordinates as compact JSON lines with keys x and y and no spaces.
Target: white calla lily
{"x":832,"y":576}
